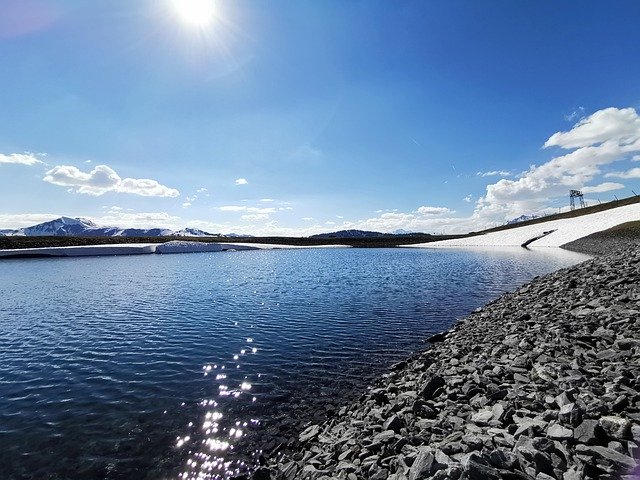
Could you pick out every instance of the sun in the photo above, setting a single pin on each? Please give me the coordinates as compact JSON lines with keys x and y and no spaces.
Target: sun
{"x":198,"y":13}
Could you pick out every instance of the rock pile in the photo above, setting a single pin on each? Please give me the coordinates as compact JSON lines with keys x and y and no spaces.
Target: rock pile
{"x":543,"y":383}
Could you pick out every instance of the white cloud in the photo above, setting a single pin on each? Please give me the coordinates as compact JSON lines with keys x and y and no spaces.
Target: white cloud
{"x":433,"y":210}
{"x":186,"y":204}
{"x":468,"y":198}
{"x":390,"y":221}
{"x":201,"y":190}
{"x":241,"y":181}
{"x":114,"y":216}
{"x":103,"y":179}
{"x":607,"y":136}
{"x":139,"y":220}
{"x":267,"y":200}
{"x":25,"y":219}
{"x":619,"y":125}
{"x":20,"y":159}
{"x":494,"y":173}
{"x":232,"y":208}
{"x":242,"y":208}
{"x":577,"y":113}
{"x":633,"y":173}
{"x":603,"y":187}
{"x":307,"y":219}
{"x":252,"y":217}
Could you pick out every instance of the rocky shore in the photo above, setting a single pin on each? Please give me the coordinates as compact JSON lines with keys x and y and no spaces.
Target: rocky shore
{"x":543,"y":383}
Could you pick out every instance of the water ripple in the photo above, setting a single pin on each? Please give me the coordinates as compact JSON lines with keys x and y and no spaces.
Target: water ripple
{"x":184,"y":365}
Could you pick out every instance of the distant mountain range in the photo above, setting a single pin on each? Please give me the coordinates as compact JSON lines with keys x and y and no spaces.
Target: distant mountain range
{"x":82,"y":227}
{"x":363,"y":234}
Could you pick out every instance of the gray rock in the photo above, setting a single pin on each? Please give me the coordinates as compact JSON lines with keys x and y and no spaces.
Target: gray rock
{"x":422,"y":464}
{"x":309,"y":433}
{"x":617,"y":458}
{"x":616,"y":427}
{"x":394,"y":423}
{"x":587,"y":432}
{"x":431,"y":386}
{"x":558,"y":432}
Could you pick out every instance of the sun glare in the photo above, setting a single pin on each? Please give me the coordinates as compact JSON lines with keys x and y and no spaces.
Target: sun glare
{"x":195,"y":12}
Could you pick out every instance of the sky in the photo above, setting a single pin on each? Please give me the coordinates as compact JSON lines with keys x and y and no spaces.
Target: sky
{"x":299,"y":117}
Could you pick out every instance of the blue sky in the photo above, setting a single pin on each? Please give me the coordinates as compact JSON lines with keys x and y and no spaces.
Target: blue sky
{"x":296,"y":117}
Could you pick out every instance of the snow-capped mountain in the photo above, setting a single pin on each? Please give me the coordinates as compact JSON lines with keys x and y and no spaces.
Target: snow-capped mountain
{"x":520,"y":219}
{"x":60,"y":226}
{"x":192,"y":232}
{"x":81,"y":227}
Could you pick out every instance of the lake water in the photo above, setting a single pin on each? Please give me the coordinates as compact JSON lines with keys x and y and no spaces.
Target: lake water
{"x":182,"y":366}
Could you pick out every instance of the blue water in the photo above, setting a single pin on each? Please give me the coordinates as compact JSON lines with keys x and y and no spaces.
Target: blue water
{"x":156,"y":365}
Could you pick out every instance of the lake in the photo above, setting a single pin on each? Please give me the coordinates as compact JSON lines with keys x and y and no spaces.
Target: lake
{"x":185,"y":366}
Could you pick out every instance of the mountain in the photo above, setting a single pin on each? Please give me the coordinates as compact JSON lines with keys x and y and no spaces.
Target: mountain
{"x":60,"y":226}
{"x":193,"y":232}
{"x":81,"y":227}
{"x":350,"y":234}
{"x":521,"y":218}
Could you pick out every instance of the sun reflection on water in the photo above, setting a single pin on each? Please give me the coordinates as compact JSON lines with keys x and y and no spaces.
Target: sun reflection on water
{"x":211,"y":449}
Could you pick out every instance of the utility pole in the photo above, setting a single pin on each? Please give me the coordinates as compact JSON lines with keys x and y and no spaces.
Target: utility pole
{"x":573,"y":194}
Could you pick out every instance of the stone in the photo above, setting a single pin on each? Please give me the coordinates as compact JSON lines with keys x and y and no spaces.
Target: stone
{"x":570,"y":414}
{"x":482,"y":417}
{"x":309,"y":433}
{"x":384,"y":436}
{"x":558,"y":432}
{"x":431,"y":386}
{"x":616,"y":427}
{"x":422,"y":463}
{"x":289,"y":470}
{"x":617,"y":458}
{"x":394,"y":423}
{"x":477,"y":469}
{"x":588,"y":432}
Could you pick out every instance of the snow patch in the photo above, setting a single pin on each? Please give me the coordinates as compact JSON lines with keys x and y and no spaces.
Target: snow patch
{"x":565,"y":230}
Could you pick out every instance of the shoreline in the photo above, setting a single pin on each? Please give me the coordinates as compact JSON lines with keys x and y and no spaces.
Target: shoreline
{"x":171,"y":247}
{"x":541,"y":383}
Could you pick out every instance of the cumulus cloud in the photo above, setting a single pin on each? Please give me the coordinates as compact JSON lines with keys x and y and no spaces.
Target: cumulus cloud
{"x":21,"y":220}
{"x":139,"y":220}
{"x":252,"y":217}
{"x":415,"y":222}
{"x":241,"y":181}
{"x":619,"y":125}
{"x":603,"y":187}
{"x":243,"y":208}
{"x":103,"y":179}
{"x":605,"y":137}
{"x":433,"y":210}
{"x":633,"y":173}
{"x":28,"y":159}
{"x":232,"y":208}
{"x":468,"y":198}
{"x":494,"y":173}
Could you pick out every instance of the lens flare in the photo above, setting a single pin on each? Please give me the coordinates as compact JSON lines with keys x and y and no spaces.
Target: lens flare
{"x":198,"y":13}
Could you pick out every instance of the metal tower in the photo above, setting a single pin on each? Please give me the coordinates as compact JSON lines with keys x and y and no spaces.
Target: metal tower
{"x":573,"y":194}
